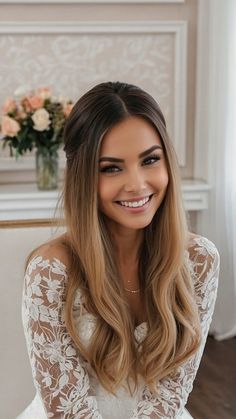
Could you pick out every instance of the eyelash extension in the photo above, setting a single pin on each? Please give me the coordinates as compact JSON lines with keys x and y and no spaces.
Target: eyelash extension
{"x":108,"y":169}
{"x":152,"y":156}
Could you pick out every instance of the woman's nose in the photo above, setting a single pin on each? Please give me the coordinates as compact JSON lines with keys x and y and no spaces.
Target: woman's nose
{"x":135,"y":182}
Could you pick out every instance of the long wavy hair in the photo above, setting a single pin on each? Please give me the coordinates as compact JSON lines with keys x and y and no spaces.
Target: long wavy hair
{"x":172,"y":318}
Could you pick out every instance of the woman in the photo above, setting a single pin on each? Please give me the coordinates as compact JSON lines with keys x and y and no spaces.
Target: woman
{"x":116,"y":311}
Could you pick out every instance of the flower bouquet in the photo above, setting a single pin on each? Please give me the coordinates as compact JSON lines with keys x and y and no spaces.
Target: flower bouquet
{"x":36,"y":121}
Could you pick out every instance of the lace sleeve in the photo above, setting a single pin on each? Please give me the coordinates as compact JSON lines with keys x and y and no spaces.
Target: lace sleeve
{"x":174,"y":389}
{"x":59,"y":375}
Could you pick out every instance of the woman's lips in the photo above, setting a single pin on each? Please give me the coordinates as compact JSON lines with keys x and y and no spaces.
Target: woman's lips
{"x":135,"y":208}
{"x":141,"y":198}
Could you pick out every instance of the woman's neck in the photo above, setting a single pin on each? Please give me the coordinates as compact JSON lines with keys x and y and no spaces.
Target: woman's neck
{"x":127,"y":245}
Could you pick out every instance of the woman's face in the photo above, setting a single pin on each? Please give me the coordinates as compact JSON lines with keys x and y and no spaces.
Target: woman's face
{"x":132,"y":174}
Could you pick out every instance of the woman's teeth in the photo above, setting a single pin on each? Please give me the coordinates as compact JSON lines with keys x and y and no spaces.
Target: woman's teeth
{"x":135,"y":204}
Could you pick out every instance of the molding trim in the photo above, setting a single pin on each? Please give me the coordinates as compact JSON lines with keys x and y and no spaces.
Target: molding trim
{"x":30,"y":223}
{"x":88,"y":27}
{"x":195,"y":195}
{"x":178,"y":28}
{"x":201,"y":142}
{"x":90,"y":1}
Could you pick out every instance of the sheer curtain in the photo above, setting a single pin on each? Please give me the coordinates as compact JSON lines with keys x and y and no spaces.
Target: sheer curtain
{"x":219,"y":223}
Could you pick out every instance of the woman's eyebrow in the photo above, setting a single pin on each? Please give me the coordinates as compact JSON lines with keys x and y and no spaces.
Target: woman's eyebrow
{"x":143,"y":154}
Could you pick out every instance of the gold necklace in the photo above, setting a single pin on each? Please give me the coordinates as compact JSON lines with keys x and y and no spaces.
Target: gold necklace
{"x":132,"y":291}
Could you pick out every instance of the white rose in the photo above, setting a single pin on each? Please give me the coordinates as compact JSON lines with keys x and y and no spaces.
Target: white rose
{"x":41,"y":119}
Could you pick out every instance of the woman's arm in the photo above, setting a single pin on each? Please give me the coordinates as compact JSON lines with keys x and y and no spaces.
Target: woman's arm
{"x":59,"y":373}
{"x":175,"y":389}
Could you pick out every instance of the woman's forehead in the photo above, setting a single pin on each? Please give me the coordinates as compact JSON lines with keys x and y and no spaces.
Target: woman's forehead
{"x":134,"y":134}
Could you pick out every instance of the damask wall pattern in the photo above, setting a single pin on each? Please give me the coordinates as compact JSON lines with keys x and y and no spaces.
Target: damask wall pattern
{"x":73,"y":63}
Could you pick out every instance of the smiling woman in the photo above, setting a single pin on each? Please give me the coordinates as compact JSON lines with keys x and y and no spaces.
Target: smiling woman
{"x":116,"y":311}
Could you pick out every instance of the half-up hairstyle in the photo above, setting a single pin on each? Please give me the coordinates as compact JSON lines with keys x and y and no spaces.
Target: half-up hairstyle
{"x":172,"y":317}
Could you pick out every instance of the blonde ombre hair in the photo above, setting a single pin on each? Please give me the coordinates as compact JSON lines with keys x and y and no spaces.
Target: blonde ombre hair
{"x":172,"y":317}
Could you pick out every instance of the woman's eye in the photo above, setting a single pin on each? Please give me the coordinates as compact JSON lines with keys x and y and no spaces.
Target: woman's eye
{"x":109,"y":169}
{"x":151,"y":159}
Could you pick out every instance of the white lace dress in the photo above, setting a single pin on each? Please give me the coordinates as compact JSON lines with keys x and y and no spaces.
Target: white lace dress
{"x":65,"y":385}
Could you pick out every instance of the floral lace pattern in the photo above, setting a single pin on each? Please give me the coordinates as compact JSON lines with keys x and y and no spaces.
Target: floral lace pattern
{"x":61,"y":376}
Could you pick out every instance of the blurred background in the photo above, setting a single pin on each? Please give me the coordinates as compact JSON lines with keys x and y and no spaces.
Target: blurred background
{"x":183,"y":52}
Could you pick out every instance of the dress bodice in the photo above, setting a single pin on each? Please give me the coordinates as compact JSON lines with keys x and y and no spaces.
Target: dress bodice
{"x":65,"y":383}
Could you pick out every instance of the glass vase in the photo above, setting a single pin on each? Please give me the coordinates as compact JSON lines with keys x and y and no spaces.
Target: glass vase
{"x":46,"y":170}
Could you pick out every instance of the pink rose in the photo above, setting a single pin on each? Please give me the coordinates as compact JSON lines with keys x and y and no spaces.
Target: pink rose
{"x":36,"y":102}
{"x":44,"y":92}
{"x":9,"y":126}
{"x":68,"y":108}
{"x":9,"y":105}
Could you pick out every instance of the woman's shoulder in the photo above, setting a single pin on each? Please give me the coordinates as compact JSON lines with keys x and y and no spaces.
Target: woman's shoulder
{"x":198,"y":244}
{"x":203,"y":256}
{"x":49,"y":254}
{"x":45,"y":280}
{"x":204,"y":267}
